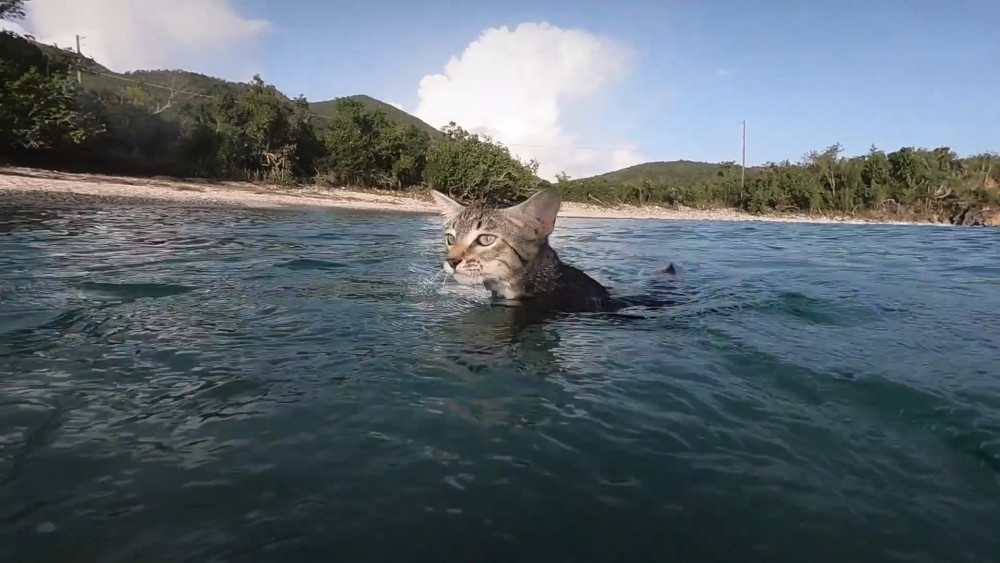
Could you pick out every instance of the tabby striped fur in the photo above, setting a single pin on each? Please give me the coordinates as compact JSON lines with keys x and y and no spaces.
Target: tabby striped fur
{"x":506,"y":249}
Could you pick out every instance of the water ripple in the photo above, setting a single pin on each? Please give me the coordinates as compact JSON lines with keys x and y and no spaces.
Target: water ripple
{"x":245,"y":384}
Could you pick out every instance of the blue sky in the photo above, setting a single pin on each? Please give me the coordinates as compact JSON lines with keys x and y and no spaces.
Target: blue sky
{"x":803,"y":74}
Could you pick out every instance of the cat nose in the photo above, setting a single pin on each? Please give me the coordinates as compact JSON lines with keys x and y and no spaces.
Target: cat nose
{"x":453,"y":262}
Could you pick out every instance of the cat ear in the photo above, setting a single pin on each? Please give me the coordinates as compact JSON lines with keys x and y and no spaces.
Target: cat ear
{"x":448,"y":206}
{"x":543,"y":207}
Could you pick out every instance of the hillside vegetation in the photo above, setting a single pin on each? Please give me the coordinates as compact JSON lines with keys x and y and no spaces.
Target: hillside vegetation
{"x":907,"y":184}
{"x":394,"y":114}
{"x":673,"y":172}
{"x":178,"y":123}
{"x":185,"y":124}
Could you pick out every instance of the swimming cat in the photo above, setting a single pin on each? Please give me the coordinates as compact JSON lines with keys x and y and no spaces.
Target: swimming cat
{"x":506,"y":249}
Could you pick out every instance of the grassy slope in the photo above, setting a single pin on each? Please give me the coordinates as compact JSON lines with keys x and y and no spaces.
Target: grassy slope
{"x":394,"y":114}
{"x":210,"y":86}
{"x":676,"y":172}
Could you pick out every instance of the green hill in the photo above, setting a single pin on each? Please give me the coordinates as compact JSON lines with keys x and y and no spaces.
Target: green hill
{"x":96,"y":76}
{"x":676,"y":172}
{"x":181,"y":123}
{"x":669,"y":182}
{"x":394,"y":114}
{"x":170,"y":88}
{"x":167,"y":122}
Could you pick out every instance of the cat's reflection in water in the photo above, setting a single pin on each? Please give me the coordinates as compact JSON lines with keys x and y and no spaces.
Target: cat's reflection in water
{"x":496,"y":334}
{"x":532,"y":340}
{"x":504,"y":359}
{"x":521,"y":368}
{"x":528,"y":336}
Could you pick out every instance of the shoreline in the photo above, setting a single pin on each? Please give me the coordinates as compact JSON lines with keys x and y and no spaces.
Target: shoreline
{"x":37,"y":185}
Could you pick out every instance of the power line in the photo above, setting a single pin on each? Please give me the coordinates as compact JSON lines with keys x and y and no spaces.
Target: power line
{"x":165,"y":87}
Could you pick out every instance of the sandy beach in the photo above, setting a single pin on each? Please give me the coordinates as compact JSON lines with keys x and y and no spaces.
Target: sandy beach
{"x":33,"y":185}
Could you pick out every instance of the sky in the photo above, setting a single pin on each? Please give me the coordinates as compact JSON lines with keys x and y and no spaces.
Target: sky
{"x":590,"y":86}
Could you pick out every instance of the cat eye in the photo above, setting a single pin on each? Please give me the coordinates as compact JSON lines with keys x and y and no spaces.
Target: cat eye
{"x":486,"y":240}
{"x":450,"y":239}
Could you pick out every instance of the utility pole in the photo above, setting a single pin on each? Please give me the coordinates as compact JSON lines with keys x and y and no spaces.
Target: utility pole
{"x":79,"y":75}
{"x":743,"y":169}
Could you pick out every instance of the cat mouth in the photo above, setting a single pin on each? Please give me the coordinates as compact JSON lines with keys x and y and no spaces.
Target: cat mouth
{"x":468,"y":279}
{"x":465,"y":278}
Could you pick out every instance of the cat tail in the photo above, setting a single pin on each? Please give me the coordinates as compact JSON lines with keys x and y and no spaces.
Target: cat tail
{"x":665,"y":284}
{"x":662,"y":290}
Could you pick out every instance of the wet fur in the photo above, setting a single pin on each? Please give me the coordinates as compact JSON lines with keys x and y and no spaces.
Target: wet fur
{"x":506,"y":249}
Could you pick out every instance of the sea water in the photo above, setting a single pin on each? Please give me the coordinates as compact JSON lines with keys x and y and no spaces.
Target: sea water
{"x":222,"y":384}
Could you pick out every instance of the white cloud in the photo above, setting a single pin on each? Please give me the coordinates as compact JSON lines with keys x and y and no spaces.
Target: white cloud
{"x":397,"y":106}
{"x":131,"y":34}
{"x":12,"y":26}
{"x":722,"y":72}
{"x":515,"y":85}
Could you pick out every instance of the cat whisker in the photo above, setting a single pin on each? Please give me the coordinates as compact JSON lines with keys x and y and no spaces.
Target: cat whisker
{"x":524,"y":267}
{"x":482,"y":282}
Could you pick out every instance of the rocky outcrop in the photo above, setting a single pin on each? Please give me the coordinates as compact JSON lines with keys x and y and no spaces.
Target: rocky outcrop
{"x":977,"y":218}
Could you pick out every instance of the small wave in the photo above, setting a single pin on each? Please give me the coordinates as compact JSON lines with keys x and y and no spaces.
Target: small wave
{"x":801,"y":306}
{"x":311,"y":264}
{"x":23,"y":322}
{"x":132,"y":290}
{"x":831,"y":395}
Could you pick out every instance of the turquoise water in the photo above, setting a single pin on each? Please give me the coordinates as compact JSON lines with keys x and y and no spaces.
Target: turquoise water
{"x":251,"y":385}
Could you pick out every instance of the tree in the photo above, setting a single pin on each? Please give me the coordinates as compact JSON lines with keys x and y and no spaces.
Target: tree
{"x":470,"y":165}
{"x":12,"y":10}
{"x":308,"y":147}
{"x":407,"y":145}
{"x":37,"y":112}
{"x":257,"y":133}
{"x":364,"y":147}
{"x":826,"y":163}
{"x":356,"y":146}
{"x":150,"y":123}
{"x":38,"y":103}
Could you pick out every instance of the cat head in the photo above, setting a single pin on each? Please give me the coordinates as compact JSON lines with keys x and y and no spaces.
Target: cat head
{"x":488,"y":244}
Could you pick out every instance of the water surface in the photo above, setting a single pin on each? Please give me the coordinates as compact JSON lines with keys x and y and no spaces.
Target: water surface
{"x":248,"y":385}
